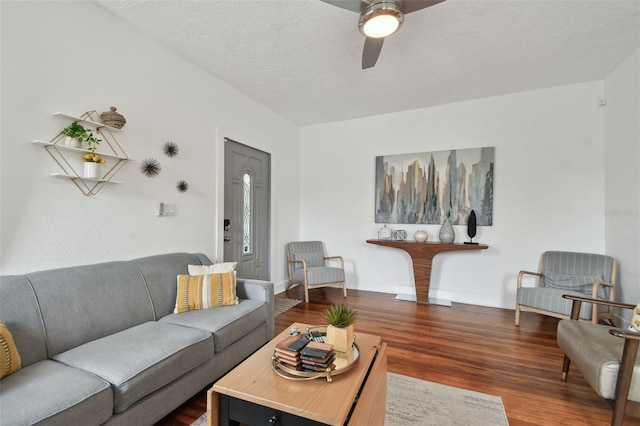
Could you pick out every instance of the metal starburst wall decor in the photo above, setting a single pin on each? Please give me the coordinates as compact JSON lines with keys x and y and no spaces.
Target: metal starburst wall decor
{"x":150,"y":167}
{"x":182,"y":186}
{"x":170,"y":149}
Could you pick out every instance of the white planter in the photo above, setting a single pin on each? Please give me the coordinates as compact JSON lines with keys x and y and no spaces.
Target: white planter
{"x":92,"y":170}
{"x":72,"y":142}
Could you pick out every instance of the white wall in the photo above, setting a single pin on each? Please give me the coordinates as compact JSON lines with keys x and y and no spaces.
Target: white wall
{"x":73,"y":57}
{"x":548,"y":189}
{"x":622,"y":177}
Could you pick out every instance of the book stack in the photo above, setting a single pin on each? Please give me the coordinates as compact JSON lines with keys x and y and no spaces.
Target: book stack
{"x":287,"y":351}
{"x":317,"y":356}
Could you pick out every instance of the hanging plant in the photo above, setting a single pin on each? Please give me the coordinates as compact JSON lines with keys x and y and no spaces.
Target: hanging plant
{"x":182,"y":186}
{"x":150,"y":167}
{"x":170,"y":149}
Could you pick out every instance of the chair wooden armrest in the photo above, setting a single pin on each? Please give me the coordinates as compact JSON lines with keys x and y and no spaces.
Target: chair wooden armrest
{"x":337,"y":258}
{"x":577,"y":302}
{"x":604,"y":283}
{"x":523,"y":273}
{"x":625,"y":334}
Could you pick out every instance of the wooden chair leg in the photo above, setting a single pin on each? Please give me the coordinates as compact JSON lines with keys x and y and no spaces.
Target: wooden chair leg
{"x":306,"y":293}
{"x":624,"y":380}
{"x":344,"y":288}
{"x":565,"y":368}
{"x":518,"y":315}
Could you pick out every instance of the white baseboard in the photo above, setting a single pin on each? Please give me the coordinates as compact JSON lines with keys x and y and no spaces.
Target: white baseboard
{"x":432,"y":300}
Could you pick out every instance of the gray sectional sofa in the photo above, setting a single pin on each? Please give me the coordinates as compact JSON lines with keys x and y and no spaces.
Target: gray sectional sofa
{"x":100,"y":343}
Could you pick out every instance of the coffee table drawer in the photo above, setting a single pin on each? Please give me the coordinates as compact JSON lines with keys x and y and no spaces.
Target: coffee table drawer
{"x":237,"y":410}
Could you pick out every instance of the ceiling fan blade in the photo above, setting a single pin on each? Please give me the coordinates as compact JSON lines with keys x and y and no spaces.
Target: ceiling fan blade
{"x":371,"y":51}
{"x":352,"y":5}
{"x":409,"y":6}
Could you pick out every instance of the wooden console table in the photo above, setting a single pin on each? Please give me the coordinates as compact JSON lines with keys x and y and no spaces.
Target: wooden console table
{"x":422,"y":255}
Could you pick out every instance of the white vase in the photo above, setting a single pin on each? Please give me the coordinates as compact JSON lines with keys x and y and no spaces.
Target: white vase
{"x":447,"y":234}
{"x":72,"y":142}
{"x":420,"y":236}
{"x":92,"y":170}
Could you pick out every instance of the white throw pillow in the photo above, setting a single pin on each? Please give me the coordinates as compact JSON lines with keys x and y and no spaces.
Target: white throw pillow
{"x":635,"y":319}
{"x":216,"y":268}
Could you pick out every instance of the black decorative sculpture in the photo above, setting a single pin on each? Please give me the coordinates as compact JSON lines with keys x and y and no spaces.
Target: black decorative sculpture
{"x":471,"y":228}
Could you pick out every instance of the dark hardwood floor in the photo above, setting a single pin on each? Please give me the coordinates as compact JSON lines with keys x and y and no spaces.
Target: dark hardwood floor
{"x":466,"y":346}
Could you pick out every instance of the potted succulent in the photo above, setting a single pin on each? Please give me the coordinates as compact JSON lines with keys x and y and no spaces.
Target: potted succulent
{"x":340,"y":319}
{"x":76,"y":134}
{"x":92,"y":164}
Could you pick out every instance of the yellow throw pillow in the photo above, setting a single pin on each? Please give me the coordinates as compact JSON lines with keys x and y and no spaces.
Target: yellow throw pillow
{"x":205,"y":291}
{"x":10,"y":357}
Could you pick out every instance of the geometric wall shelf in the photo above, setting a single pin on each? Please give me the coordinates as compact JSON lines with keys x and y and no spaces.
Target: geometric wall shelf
{"x":70,"y":159}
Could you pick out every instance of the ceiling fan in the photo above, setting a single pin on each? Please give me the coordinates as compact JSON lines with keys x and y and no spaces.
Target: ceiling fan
{"x":379,"y":19}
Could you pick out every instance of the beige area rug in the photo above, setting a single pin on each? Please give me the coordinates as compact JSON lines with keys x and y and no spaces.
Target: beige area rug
{"x":415,"y":402}
{"x":282,"y":305}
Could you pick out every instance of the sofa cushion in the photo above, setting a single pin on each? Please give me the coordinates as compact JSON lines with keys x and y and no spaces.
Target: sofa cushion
{"x":205,"y":291}
{"x":84,"y":303}
{"x":9,"y":358}
{"x":20,"y":311}
{"x":159,"y":273}
{"x":142,"y":359}
{"x":53,"y":393}
{"x":227,"y":324}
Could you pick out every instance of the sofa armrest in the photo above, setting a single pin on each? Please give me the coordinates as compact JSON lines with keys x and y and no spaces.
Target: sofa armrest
{"x":577,"y":302}
{"x":259,"y":290}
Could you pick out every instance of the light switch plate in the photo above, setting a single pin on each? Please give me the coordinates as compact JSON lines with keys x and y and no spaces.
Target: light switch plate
{"x":166,"y":209}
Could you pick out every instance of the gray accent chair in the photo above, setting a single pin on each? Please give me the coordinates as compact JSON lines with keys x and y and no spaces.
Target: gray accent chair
{"x":607,"y":358}
{"x":578,"y":274}
{"x":307,"y":266}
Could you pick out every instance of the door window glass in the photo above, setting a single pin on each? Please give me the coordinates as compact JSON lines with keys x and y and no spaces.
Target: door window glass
{"x":246,"y":214}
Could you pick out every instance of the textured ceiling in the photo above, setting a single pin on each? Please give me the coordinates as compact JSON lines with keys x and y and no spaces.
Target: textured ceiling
{"x":301,"y":58}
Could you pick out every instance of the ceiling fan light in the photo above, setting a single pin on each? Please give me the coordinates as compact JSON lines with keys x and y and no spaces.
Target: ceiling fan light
{"x":380,"y":19}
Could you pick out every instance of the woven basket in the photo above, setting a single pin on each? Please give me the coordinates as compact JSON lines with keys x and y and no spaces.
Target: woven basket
{"x":113,"y":119}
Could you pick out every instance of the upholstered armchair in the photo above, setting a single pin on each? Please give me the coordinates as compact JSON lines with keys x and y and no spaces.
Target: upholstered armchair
{"x":307,"y":266}
{"x":607,"y":358}
{"x":578,"y":274}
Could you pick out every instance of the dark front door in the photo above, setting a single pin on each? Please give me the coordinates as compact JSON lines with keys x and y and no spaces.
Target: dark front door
{"x":247,"y":174}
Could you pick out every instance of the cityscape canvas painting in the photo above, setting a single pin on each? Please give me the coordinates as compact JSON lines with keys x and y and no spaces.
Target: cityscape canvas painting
{"x":427,"y":187}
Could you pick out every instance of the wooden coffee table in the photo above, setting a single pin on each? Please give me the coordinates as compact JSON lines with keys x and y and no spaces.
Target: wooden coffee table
{"x":253,"y":394}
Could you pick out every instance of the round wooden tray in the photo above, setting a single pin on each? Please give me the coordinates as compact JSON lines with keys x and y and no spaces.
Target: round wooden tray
{"x":343,"y":362}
